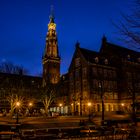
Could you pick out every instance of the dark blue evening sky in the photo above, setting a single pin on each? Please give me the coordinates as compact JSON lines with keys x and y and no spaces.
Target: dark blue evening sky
{"x":23,"y":28}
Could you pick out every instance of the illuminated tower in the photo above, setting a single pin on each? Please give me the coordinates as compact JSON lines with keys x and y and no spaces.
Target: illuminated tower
{"x":51,"y":58}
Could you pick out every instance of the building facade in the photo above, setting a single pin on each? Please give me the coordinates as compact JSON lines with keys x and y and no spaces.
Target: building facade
{"x":108,"y":79}
{"x":110,"y":76}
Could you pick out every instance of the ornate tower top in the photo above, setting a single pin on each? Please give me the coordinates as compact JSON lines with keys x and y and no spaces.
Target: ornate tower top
{"x":51,"y":49}
{"x":52,"y":25}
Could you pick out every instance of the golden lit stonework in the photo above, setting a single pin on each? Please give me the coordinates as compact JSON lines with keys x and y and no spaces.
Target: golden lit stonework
{"x":51,"y":59}
{"x":51,"y":26}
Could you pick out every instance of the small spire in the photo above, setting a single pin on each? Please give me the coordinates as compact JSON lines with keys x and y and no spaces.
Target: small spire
{"x":104,"y":39}
{"x":77,"y":44}
{"x":52,"y":14}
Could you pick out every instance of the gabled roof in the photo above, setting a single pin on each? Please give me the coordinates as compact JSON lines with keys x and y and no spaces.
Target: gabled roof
{"x":114,"y":54}
{"x":115,"y":50}
{"x":89,"y":55}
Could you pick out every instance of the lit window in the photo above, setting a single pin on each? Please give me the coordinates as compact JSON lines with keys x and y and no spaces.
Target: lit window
{"x":106,"y":61}
{"x":63,"y":77}
{"x":96,"y":59}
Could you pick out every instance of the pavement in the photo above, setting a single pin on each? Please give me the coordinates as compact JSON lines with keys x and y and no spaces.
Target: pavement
{"x":33,"y":123}
{"x":60,"y":121}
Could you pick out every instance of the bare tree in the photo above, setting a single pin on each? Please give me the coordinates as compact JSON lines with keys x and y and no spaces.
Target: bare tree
{"x":13,"y":89}
{"x":129,"y":26}
{"x":9,"y":67}
{"x":13,"y":99}
{"x":48,"y":96}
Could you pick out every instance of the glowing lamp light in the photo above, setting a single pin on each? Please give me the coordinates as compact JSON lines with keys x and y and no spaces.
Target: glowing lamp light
{"x":30,"y":104}
{"x":17,"y":104}
{"x":89,"y":104}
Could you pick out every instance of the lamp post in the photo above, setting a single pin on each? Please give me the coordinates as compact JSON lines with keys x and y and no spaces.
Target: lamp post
{"x":89,"y":104}
{"x":17,"y":108}
{"x":60,"y":105}
{"x":81,"y":105}
{"x":72,"y":109}
{"x":30,"y":105}
{"x":122,"y":107}
{"x":102,"y":98}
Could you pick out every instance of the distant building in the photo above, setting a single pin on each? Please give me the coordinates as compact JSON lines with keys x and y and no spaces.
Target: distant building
{"x":22,"y":85}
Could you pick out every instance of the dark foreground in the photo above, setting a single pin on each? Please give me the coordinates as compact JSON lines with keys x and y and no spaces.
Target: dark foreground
{"x":65,"y":128}
{"x":87,"y":132}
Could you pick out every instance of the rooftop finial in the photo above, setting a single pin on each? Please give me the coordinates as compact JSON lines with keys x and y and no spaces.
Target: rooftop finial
{"x":77,"y":44}
{"x":104,"y":39}
{"x":52,"y":14}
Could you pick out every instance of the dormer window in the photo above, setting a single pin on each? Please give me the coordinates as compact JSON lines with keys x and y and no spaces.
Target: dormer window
{"x":96,"y":60}
{"x":63,"y":77}
{"x":106,"y":61}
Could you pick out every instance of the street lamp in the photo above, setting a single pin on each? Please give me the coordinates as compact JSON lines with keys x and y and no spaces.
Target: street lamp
{"x":30,"y":105}
{"x":102,"y":98}
{"x":122,"y":107}
{"x":60,"y":105}
{"x":17,"y":107}
{"x":89,"y":104}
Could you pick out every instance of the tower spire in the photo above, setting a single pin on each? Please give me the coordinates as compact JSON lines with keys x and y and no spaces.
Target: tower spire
{"x":52,"y":14}
{"x":51,"y":58}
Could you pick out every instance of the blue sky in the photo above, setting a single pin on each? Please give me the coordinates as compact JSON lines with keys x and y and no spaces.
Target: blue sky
{"x":23,"y":28}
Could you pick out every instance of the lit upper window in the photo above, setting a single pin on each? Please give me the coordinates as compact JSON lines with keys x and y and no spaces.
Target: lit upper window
{"x":96,"y":59}
{"x":106,"y":61}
